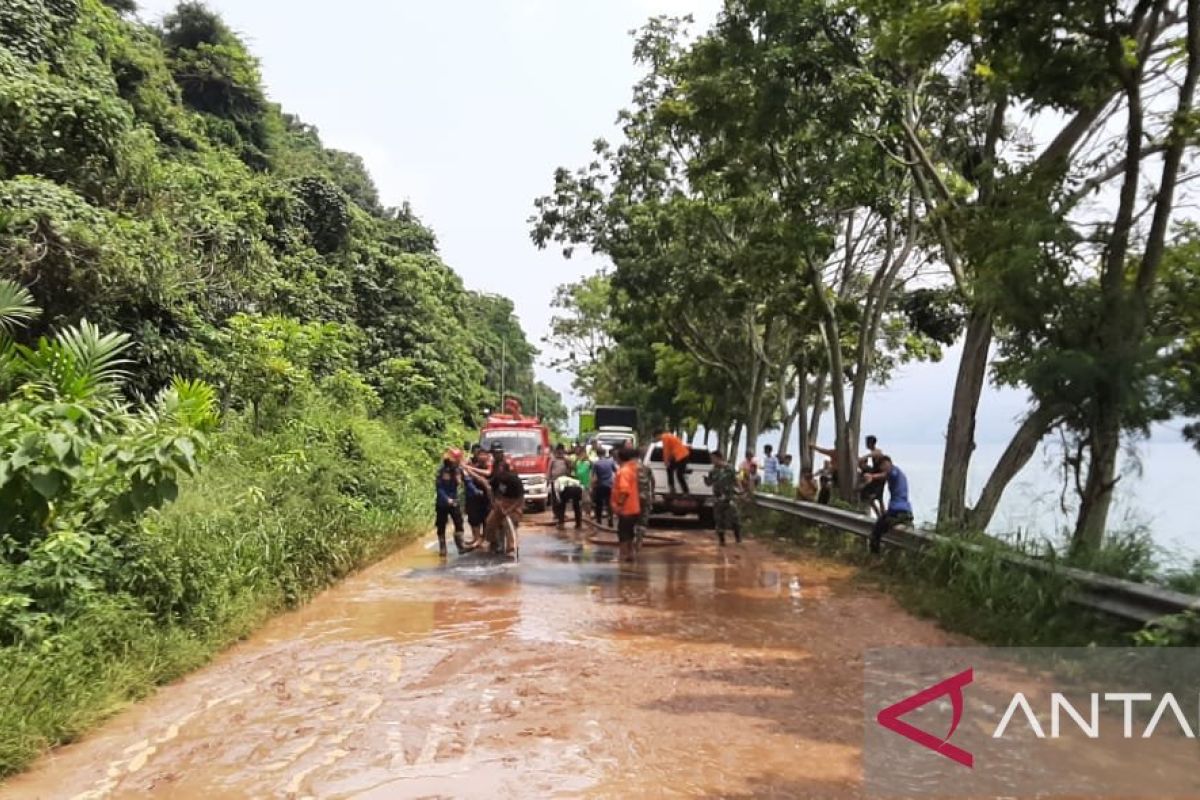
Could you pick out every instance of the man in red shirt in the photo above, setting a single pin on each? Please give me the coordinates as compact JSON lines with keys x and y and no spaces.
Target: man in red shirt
{"x":675,"y":456}
{"x":626,"y":503}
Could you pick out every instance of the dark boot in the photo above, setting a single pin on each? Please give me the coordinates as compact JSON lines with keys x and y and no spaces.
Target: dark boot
{"x":442,"y":545}
{"x":721,"y":537}
{"x":459,"y":544}
{"x":737,"y":535}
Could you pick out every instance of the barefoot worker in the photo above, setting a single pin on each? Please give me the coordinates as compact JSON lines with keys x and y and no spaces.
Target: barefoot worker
{"x":508,"y":503}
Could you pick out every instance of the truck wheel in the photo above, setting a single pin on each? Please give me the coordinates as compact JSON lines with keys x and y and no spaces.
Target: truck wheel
{"x":707,"y":518}
{"x":538,"y":507}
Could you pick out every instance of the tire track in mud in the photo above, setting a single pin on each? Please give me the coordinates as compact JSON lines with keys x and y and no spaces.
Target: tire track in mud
{"x":699,"y":671}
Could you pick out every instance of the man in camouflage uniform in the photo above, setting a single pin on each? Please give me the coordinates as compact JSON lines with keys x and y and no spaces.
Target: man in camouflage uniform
{"x":723,"y":480}
{"x":646,"y":496}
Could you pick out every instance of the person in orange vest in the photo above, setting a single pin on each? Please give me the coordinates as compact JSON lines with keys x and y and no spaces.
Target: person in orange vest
{"x":675,"y":456}
{"x":626,"y":502}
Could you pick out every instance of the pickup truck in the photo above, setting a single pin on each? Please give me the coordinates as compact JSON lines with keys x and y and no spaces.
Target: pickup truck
{"x":698,"y":500}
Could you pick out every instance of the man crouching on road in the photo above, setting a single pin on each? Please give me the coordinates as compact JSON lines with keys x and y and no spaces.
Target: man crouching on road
{"x":724,"y":482}
{"x":899,"y":510}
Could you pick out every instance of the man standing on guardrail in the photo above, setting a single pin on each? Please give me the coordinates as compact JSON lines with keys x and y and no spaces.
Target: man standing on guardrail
{"x":899,"y":510}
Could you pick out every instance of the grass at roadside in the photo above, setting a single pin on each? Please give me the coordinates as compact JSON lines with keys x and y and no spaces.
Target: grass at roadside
{"x":270,"y":520}
{"x":973,"y":593}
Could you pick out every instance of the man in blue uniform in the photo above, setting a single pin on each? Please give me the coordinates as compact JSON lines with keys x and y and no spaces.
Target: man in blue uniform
{"x":899,"y":509}
{"x":449,"y":478}
{"x":604,"y":471}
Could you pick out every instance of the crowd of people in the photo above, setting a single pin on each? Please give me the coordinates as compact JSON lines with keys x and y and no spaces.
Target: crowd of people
{"x":616,"y":487}
{"x":877,"y":473}
{"x":611,"y":484}
{"x":494,"y":497}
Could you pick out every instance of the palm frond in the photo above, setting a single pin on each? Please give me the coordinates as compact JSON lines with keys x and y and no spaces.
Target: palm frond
{"x":98,"y":356}
{"x":191,"y":403}
{"x":80,"y":363}
{"x":16,"y":306}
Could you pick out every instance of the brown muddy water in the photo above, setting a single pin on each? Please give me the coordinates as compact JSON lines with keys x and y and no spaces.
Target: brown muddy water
{"x":697,"y":672}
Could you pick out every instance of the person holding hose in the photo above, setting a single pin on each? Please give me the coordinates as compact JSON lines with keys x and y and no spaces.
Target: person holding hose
{"x":478,"y":502}
{"x":449,"y":478}
{"x":675,"y":456}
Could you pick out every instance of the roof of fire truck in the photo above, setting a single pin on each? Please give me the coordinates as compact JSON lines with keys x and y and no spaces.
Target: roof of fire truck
{"x":511,"y":421}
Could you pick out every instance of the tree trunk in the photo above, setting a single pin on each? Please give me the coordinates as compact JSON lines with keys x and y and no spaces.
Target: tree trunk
{"x":801,"y":420}
{"x":1098,"y":488}
{"x":814,"y":423}
{"x":785,"y":435}
{"x":837,"y":391}
{"x":734,"y":440}
{"x":837,"y":386}
{"x":754,"y":417}
{"x":723,"y":439}
{"x":875,"y":302}
{"x":788,"y":415}
{"x":1020,"y":449}
{"x":960,"y":432}
{"x":797,"y":411}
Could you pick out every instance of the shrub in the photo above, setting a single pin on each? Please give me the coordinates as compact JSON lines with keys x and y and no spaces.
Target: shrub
{"x":69,"y":133}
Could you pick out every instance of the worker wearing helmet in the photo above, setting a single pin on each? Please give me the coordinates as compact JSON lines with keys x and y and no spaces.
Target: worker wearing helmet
{"x":449,"y":478}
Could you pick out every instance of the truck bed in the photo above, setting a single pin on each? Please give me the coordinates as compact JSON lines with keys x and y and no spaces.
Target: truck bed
{"x":699,"y":495}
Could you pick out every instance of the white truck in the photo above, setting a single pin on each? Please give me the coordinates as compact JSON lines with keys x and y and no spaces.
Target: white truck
{"x":698,"y":500}
{"x":614,"y":426}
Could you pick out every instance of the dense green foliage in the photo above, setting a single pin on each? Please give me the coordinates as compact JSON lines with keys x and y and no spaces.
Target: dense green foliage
{"x":166,"y":232}
{"x":812,"y":191}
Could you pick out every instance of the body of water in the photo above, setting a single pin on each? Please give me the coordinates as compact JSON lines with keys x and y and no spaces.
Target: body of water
{"x":1151,"y":494}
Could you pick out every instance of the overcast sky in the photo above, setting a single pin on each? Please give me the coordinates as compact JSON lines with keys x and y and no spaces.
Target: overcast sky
{"x":465,"y":107}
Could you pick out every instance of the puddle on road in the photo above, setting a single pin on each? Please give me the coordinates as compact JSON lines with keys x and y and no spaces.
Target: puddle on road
{"x":698,"y":671}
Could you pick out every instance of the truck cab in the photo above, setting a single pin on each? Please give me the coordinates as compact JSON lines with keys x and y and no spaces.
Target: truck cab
{"x":614,"y":425}
{"x":526,"y":445}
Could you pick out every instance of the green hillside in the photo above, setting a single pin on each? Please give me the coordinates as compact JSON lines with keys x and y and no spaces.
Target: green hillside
{"x":226,"y":367}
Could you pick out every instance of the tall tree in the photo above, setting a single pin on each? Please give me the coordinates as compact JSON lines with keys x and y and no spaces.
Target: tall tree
{"x":972,"y":78}
{"x":581,"y":333}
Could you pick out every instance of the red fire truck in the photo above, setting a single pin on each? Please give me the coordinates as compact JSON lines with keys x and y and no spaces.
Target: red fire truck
{"x":526,"y":444}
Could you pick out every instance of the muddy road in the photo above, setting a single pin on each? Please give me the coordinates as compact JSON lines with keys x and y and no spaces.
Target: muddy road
{"x":698,"y":672}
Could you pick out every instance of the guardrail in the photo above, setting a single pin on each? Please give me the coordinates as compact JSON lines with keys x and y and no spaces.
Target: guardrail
{"x":1136,"y":602}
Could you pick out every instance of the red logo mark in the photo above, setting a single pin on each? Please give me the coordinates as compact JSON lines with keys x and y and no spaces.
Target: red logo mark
{"x":890,"y":717}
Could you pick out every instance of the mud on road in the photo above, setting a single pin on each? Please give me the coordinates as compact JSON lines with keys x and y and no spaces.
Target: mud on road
{"x":698,"y":672}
